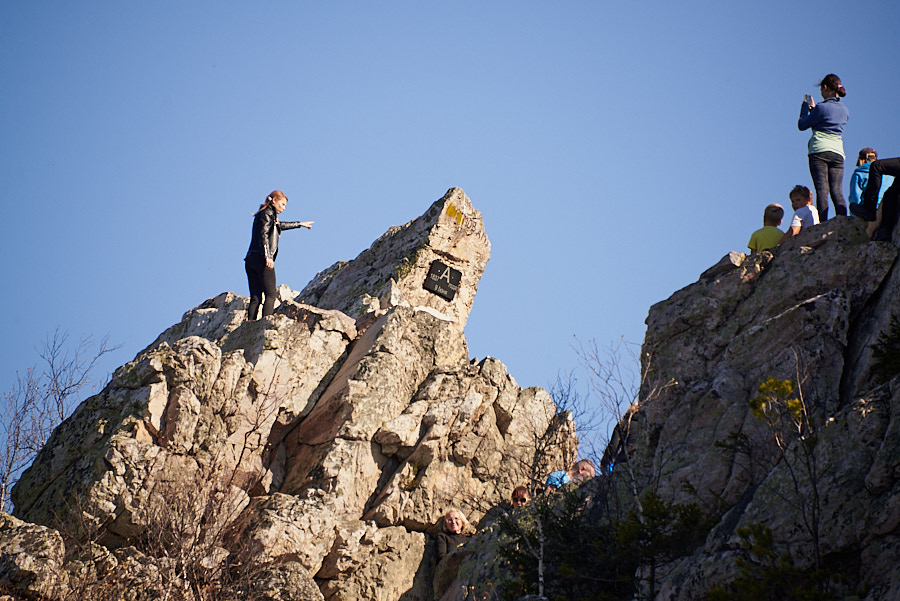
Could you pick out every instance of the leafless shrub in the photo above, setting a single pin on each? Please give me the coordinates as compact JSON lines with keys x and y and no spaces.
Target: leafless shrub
{"x":622,"y":382}
{"x":41,"y":400}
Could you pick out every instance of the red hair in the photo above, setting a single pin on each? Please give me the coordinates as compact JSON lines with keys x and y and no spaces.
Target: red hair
{"x":271,"y":198}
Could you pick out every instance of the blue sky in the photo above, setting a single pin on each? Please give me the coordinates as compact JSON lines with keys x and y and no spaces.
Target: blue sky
{"x":616,"y":150}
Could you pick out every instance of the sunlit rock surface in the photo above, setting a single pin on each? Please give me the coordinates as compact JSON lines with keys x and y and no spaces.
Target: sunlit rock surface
{"x":331,"y":436}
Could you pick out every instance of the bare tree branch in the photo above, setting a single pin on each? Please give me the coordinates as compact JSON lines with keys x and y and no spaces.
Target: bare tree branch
{"x":41,"y":401}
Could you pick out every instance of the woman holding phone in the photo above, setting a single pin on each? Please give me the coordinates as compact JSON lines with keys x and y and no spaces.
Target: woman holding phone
{"x":826,"y":146}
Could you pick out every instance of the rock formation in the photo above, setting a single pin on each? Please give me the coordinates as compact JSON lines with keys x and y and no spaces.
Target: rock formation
{"x":310,"y":455}
{"x":325,"y":441}
{"x":810,"y":311}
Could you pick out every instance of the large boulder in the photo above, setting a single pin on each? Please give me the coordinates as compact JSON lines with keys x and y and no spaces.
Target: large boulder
{"x":185,"y":406}
{"x":393,"y":565}
{"x":788,"y":315}
{"x":31,"y":558}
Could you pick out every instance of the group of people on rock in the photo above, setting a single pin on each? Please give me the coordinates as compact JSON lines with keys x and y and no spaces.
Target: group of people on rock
{"x":874,"y":194}
{"x":456,"y":529}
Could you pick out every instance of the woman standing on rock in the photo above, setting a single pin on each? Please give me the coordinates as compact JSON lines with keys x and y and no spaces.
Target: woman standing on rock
{"x":260,"y":260}
{"x":826,"y":147}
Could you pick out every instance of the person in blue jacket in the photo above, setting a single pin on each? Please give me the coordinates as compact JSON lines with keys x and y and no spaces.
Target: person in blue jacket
{"x":260,"y":260}
{"x":826,"y":146}
{"x":582,"y":470}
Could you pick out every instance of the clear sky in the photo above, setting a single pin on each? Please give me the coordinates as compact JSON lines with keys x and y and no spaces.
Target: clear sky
{"x":615,"y":149}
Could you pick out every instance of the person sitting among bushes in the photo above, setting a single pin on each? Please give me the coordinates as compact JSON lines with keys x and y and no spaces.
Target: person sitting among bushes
{"x":456,"y":531}
{"x":520,"y":497}
{"x":582,"y":470}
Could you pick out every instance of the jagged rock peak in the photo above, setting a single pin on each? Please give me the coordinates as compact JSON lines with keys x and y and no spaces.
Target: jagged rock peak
{"x":395,"y":269}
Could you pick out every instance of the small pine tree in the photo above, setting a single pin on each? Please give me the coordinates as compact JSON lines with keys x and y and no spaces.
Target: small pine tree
{"x":787,"y":418}
{"x":766,"y":575}
{"x":663,"y":532}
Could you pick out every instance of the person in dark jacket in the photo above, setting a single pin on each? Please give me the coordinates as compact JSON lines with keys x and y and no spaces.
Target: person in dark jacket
{"x":260,"y":260}
{"x":455,"y":532}
{"x":449,"y":556}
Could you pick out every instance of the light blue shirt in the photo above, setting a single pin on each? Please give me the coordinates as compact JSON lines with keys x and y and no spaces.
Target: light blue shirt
{"x":557,"y":479}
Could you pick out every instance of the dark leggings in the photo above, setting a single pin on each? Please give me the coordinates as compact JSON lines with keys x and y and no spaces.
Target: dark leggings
{"x":890,"y":203}
{"x":827,"y":170}
{"x":877,"y":170}
{"x":262,"y":282}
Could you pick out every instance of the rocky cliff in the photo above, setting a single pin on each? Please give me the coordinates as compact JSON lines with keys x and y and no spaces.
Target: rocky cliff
{"x":310,"y":455}
{"x":307,"y":455}
{"x":811,"y":312}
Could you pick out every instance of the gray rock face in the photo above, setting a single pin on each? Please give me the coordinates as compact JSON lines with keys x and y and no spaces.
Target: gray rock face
{"x":810,"y":313}
{"x":331,"y":438}
{"x":772,"y":316}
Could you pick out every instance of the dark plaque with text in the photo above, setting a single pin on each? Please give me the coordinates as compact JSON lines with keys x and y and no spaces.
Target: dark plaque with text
{"x":443,"y":280}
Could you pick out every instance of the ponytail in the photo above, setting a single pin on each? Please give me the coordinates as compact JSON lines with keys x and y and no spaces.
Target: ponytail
{"x":833,"y":82}
{"x":272,"y":197}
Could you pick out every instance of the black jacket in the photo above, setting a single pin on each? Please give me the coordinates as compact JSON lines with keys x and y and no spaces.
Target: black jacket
{"x":446,"y":543}
{"x":266,"y":229}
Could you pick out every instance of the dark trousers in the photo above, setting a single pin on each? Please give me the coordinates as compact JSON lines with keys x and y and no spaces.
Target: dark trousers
{"x":890,"y":208}
{"x":827,"y":170}
{"x":877,"y":170}
{"x":890,"y":202}
{"x":262,"y":283}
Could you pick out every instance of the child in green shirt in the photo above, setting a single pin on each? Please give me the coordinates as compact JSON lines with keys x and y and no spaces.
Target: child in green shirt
{"x":769,"y":235}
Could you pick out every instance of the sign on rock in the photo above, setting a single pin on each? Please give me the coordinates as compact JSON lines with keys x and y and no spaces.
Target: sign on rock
{"x":443,"y":280}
